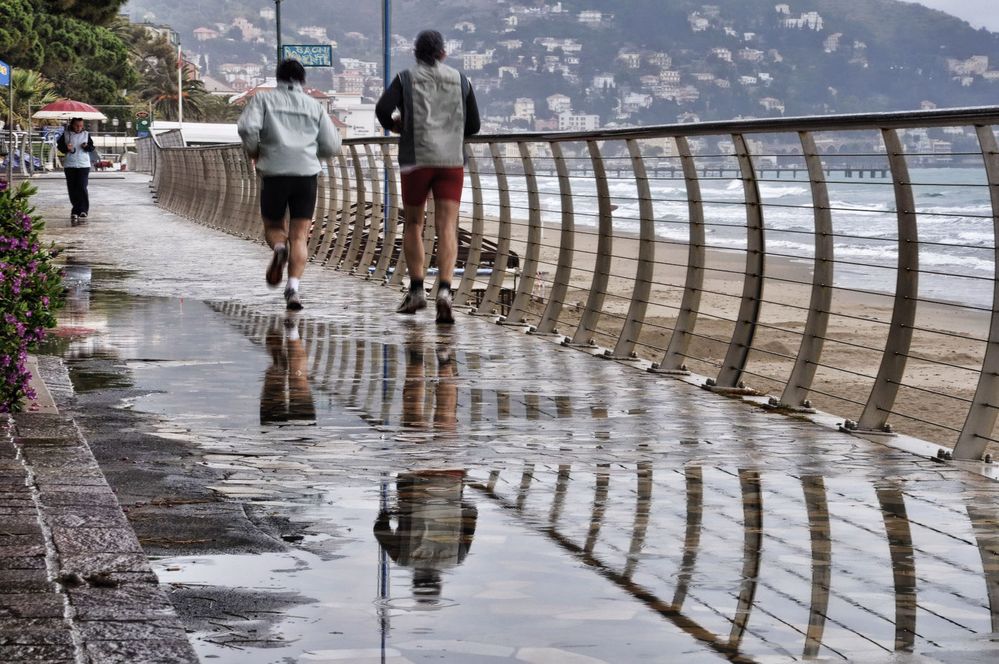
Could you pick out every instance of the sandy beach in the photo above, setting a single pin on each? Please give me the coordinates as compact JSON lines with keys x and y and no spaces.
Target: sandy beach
{"x":941,"y":373}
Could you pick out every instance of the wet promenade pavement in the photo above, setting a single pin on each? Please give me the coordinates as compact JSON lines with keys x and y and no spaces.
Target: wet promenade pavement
{"x":348,"y":485}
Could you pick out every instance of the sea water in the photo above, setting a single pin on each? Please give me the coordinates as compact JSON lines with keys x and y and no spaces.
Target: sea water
{"x":954,"y":222}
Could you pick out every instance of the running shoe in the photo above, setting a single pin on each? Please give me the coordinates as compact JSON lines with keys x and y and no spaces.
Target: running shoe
{"x":444,"y":314}
{"x":275,"y":271}
{"x":294,"y":303}
{"x":413,"y":302}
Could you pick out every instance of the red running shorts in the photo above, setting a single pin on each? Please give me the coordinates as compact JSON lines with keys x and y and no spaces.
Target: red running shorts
{"x":446,"y":183}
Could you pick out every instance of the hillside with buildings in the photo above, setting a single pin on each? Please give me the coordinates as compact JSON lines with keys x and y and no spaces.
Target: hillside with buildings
{"x":583,"y":64}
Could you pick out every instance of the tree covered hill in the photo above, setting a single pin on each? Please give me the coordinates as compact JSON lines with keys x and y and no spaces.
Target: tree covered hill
{"x":646,"y":61}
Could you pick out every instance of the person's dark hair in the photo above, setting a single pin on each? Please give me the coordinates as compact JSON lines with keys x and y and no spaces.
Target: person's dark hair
{"x":72,"y":120}
{"x":290,"y":70}
{"x":429,"y":47}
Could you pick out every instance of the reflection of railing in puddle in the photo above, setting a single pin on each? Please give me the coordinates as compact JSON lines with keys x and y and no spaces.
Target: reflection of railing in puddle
{"x":840,"y":616}
{"x":385,"y":384}
{"x":810,"y":579}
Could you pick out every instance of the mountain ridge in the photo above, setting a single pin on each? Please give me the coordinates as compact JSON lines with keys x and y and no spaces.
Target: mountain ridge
{"x":717,"y":60}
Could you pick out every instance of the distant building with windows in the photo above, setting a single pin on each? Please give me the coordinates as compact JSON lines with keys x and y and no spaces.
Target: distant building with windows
{"x":570,"y":121}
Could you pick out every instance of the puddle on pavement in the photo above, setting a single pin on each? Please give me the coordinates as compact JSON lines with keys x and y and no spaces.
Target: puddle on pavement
{"x":426,"y":519}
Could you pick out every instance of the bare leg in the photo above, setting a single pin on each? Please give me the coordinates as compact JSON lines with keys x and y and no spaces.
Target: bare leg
{"x":298,"y":250}
{"x":446,"y":218}
{"x":412,"y":240}
{"x":275,"y":233}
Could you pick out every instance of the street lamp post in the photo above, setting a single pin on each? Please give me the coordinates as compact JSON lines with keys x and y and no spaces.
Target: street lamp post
{"x":277,"y":18}
{"x":386,"y":43}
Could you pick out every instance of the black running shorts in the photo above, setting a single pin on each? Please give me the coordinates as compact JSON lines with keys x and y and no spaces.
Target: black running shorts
{"x":288,"y":193}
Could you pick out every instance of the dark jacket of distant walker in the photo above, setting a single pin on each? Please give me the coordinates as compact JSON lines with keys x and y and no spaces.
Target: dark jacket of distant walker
{"x":288,"y":131}
{"x":438,"y":111}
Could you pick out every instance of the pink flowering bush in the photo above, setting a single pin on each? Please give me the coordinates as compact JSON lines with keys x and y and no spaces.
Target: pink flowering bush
{"x":30,"y":292}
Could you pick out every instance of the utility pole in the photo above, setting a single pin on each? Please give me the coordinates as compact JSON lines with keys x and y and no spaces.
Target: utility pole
{"x":180,"y":86}
{"x":386,"y":43}
{"x":386,"y":78}
{"x":277,"y":18}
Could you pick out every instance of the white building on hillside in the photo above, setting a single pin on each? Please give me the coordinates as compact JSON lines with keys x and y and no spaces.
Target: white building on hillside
{"x":523,"y":109}
{"x":559,"y":103}
{"x":570,"y":121}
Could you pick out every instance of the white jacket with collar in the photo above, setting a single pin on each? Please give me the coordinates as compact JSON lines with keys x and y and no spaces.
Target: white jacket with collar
{"x":288,"y":131}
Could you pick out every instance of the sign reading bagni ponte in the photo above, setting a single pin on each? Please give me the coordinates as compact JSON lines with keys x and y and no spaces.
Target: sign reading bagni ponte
{"x":310,"y":55}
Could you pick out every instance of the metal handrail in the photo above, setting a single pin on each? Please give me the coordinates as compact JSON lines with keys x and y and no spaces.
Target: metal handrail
{"x":607,"y":301}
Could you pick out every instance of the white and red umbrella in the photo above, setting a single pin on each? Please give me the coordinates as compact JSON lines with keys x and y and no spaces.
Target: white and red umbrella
{"x":66,"y":109}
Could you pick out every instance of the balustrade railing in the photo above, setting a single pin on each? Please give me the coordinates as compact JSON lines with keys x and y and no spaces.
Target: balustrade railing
{"x":846,"y":263}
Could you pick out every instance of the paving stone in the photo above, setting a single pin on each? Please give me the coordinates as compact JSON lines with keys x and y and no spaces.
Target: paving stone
{"x":142,"y":652}
{"x":48,"y":482}
{"x":21,"y":605}
{"x":40,"y":631}
{"x":72,"y":517}
{"x":131,"y":603}
{"x":16,"y":499}
{"x":79,"y":541}
{"x":24,"y":508}
{"x":42,"y":428}
{"x":22,"y":562}
{"x":18,"y":525}
{"x":67,"y":460}
{"x":105,"y":563}
{"x":22,"y":551}
{"x":30,"y":538}
{"x":24,"y":581}
{"x":81,"y":499}
{"x":61,"y":476}
{"x":37,"y":653}
{"x":114,"y":630}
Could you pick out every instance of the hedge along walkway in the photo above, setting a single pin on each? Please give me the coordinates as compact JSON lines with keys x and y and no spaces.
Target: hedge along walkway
{"x":75,"y":585}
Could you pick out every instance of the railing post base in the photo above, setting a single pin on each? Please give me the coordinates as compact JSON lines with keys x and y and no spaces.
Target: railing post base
{"x":776,"y":405}
{"x":740,"y":390}
{"x":849,"y":426}
{"x":504,"y":321}
{"x":610,"y":355}
{"x":654,"y":369}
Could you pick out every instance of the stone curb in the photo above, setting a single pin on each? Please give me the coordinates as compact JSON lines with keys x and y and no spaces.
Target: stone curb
{"x":78,"y":586}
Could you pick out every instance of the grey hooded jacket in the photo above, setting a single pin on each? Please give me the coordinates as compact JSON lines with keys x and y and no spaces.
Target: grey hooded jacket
{"x":288,"y":131}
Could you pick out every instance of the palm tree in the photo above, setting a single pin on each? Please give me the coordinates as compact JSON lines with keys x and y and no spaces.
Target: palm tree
{"x":31,"y":89}
{"x":160,"y":89}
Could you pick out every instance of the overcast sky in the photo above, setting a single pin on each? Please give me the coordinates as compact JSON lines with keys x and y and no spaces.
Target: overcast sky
{"x":980,"y":13}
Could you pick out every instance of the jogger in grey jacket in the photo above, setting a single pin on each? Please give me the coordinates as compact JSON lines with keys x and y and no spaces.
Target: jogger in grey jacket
{"x":287,"y":132}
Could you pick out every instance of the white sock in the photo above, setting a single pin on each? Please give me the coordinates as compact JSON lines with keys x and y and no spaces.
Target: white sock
{"x":293,"y":333}
{"x":293,"y":283}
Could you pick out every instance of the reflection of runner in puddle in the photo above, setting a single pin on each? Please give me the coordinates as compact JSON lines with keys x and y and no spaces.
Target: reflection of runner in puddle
{"x":434,"y":528}
{"x":415,"y":402}
{"x":286,"y":395}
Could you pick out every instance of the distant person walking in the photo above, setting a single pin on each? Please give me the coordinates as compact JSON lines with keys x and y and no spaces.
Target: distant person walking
{"x":436,"y":111}
{"x":287,"y":132}
{"x":75,"y":142}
